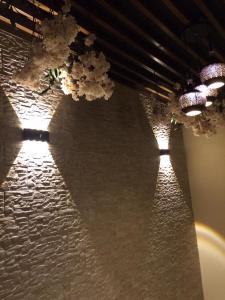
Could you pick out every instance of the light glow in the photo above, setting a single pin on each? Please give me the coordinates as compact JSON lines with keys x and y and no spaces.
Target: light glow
{"x":193,"y":113}
{"x":165,"y":164}
{"x":208,"y":103}
{"x":216,"y":85}
{"x":211,"y":247}
{"x":208,"y":93}
{"x":37,"y":123}
{"x":35,"y":148}
{"x":162,"y":142}
{"x":207,"y":234}
{"x":202,"y":88}
{"x":162,"y":132}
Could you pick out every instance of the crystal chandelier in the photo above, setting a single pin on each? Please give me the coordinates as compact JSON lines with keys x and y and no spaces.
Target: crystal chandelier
{"x":213,"y":75}
{"x":192,"y":103}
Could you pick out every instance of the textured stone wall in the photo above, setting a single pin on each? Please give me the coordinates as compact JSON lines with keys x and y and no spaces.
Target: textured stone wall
{"x":94,"y":215}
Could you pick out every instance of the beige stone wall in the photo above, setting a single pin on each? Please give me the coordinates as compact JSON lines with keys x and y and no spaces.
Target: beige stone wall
{"x":96,"y":215}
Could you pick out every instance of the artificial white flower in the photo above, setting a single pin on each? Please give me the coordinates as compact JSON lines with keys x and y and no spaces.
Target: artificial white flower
{"x":85,"y":76}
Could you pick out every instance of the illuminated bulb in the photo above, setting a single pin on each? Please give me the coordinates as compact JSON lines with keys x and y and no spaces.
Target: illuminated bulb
{"x":35,"y":147}
{"x":201,"y":88}
{"x":193,"y":113}
{"x":210,"y":94}
{"x":35,"y":123}
{"x":216,"y":85}
{"x":163,"y":142}
{"x":165,"y":163}
{"x":208,"y":103}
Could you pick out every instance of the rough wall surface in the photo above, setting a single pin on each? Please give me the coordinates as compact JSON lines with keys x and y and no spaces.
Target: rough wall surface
{"x":94,"y":216}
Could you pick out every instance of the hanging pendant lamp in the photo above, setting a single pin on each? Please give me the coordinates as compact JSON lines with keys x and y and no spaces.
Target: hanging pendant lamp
{"x":211,"y":95}
{"x":192,"y":103}
{"x":213,"y":75}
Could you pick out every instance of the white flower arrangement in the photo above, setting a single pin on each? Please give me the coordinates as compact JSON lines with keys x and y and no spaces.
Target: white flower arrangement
{"x":78,"y":75}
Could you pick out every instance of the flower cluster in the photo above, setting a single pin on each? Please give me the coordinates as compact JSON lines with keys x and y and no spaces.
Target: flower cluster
{"x":89,"y":75}
{"x":58,"y":33}
{"x":86,"y":75}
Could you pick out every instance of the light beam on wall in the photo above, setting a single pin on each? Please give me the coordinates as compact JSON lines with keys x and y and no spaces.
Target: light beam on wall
{"x":162,"y":133}
{"x":33,"y":122}
{"x":207,"y":235}
{"x":36,"y":148}
{"x":211,"y":247}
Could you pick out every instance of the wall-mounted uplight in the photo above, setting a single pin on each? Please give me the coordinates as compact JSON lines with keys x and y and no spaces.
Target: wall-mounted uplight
{"x":164,"y":152}
{"x":35,"y":135}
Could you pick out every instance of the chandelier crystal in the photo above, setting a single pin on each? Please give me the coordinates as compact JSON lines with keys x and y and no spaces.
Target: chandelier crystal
{"x":192,"y":103}
{"x":213,"y":76}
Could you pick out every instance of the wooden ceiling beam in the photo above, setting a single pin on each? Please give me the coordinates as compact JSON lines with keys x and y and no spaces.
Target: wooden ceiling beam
{"x":124,"y":69}
{"x":212,"y":19}
{"x":18,"y":20}
{"x":185,"y":21}
{"x":147,"y":36}
{"x":133,"y":60}
{"x":135,"y":83}
{"x":139,"y":73}
{"x":32,"y":10}
{"x":50,"y":6}
{"x":180,"y":16}
{"x":125,"y":39}
{"x":149,"y":15}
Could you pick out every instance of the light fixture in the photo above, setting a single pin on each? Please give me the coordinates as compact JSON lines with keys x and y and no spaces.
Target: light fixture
{"x":164,"y":152}
{"x":202,"y":88}
{"x":192,"y":103}
{"x":213,"y":75}
{"x":35,"y":135}
{"x":211,"y":95}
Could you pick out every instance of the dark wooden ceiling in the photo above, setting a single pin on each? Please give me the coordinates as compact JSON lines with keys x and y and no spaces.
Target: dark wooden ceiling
{"x":150,"y":44}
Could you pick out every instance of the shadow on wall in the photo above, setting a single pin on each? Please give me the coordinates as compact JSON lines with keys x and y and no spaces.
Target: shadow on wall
{"x":108,"y":157}
{"x":10,"y":136}
{"x":178,"y":161}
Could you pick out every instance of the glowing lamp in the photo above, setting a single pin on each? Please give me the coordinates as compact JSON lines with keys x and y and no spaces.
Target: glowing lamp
{"x":213,"y":75}
{"x":35,"y":135}
{"x":192,"y":103}
{"x":202,"y":88}
{"x":210,"y":94}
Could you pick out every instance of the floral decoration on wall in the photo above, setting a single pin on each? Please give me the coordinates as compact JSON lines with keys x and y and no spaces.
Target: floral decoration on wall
{"x":64,"y":60}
